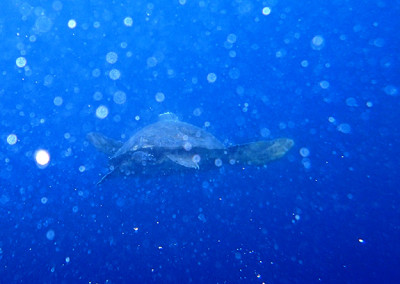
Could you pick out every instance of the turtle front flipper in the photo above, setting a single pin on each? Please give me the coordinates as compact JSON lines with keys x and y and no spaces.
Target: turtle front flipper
{"x":260,"y":152}
{"x":104,"y":144}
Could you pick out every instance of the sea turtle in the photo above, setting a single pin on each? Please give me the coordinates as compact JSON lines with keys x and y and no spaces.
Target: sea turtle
{"x":171,"y":145}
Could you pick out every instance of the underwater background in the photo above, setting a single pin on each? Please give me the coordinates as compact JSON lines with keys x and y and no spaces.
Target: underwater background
{"x":323,"y":73}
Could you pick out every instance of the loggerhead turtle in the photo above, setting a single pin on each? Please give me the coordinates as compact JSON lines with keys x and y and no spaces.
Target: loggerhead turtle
{"x":171,"y":145}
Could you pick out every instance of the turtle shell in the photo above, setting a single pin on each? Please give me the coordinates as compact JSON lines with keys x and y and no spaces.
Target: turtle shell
{"x":170,"y":134}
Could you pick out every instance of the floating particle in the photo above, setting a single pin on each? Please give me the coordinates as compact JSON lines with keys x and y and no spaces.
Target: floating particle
{"x":21,"y":62}
{"x":96,"y":72}
{"x":304,"y":152}
{"x":128,"y":21}
{"x":58,"y":101}
{"x":111,"y":57}
{"x":391,"y":90}
{"x":266,"y":11}
{"x":42,"y":158}
{"x":218,"y":162}
{"x":196,"y":159}
{"x":50,"y":235}
{"x":304,"y":63}
{"x":72,"y":24}
{"x":369,"y":104}
{"x":351,"y":102}
{"x":67,"y":259}
{"x":160,"y":97}
{"x":102,"y":112}
{"x":12,"y":139}
{"x":97,"y":96}
{"x":187,"y":146}
{"x":202,"y":218}
{"x":75,"y":209}
{"x":306,"y":163}
{"x":151,"y":61}
{"x":82,"y":169}
{"x":317,"y":42}
{"x":360,"y":241}
{"x":119,"y":97}
{"x":344,"y":128}
{"x":43,"y":24}
{"x":197,"y":111}
{"x":114,"y":74}
{"x":211,"y":77}
{"x":234,"y":73}
{"x":44,"y":200}
{"x":231,"y":38}
{"x":324,"y":84}
{"x":182,"y":2}
{"x":265,"y":132}
{"x":331,"y":119}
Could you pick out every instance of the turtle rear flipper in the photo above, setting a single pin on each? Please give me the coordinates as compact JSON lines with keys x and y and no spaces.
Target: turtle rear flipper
{"x":260,"y":152}
{"x":104,"y":144}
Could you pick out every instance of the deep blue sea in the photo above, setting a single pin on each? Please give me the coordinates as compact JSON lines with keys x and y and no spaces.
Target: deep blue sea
{"x":323,"y":73}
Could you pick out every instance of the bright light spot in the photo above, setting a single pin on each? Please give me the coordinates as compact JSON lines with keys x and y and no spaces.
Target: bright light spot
{"x":102,"y":112}
{"x":58,"y":101}
{"x":119,"y":97}
{"x":304,"y":152}
{"x":67,"y":259}
{"x":42,"y":158}
{"x":128,"y":21}
{"x":317,"y":43}
{"x":12,"y":139}
{"x":160,"y":97}
{"x":21,"y":62}
{"x":360,"y":240}
{"x":137,"y":118}
{"x":111,"y":57}
{"x":344,"y":128}
{"x":50,"y":235}
{"x":72,"y":24}
{"x":211,"y":77}
{"x":114,"y":74}
{"x":266,"y":11}
{"x":136,"y":229}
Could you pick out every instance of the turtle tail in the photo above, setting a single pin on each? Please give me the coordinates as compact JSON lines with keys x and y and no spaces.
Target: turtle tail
{"x":260,"y":152}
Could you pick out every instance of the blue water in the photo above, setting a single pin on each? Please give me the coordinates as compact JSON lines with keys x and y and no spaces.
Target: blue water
{"x":323,"y":73}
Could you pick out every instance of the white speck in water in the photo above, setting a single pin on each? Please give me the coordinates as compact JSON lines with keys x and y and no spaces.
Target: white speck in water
{"x":160,"y":97}
{"x":211,"y":77}
{"x":119,"y":97}
{"x":50,"y":235}
{"x":102,"y":112}
{"x":266,"y":11}
{"x":218,"y":162}
{"x":391,"y":90}
{"x":128,"y":21}
{"x":42,"y":158}
{"x":317,"y":42}
{"x":324,"y":84}
{"x":112,"y":57}
{"x":67,"y":259}
{"x":44,"y":200}
{"x":304,"y":152}
{"x":344,"y":128}
{"x":58,"y":101}
{"x":196,"y":159}
{"x":351,"y":102}
{"x":72,"y":24}
{"x":82,"y":169}
{"x":114,"y":74}
{"x":21,"y":62}
{"x":12,"y":139}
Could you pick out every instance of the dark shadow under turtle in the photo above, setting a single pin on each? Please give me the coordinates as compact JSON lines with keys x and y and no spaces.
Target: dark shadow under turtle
{"x":170,"y":145}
